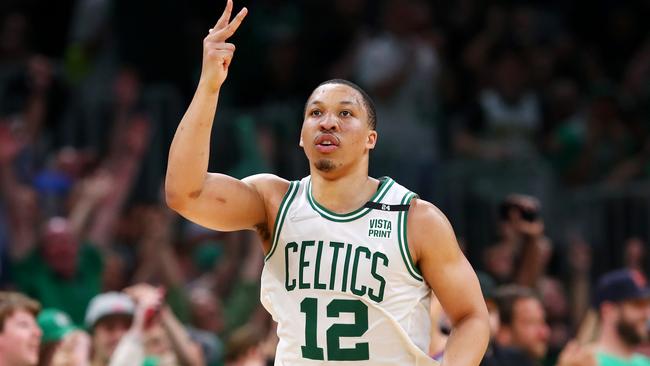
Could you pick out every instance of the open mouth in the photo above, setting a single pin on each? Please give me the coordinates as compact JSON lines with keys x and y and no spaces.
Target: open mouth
{"x":327,"y":140}
{"x":326,"y":143}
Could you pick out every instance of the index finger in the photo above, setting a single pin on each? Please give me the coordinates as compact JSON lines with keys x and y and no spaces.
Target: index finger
{"x":225,"y":16}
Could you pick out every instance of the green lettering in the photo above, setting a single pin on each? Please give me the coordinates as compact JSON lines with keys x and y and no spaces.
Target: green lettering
{"x":355,"y":266}
{"x":344,"y":283}
{"x":318,"y":285}
{"x":336,"y":245}
{"x":288,"y":286}
{"x":303,"y":263}
{"x":361,"y":351}
{"x":310,"y":350}
{"x":382,"y":282}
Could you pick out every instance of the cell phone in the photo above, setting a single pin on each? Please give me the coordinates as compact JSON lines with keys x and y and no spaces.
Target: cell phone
{"x":151,"y":314}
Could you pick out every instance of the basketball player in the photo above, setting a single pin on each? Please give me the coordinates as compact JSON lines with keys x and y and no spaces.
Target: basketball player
{"x":350,"y":260}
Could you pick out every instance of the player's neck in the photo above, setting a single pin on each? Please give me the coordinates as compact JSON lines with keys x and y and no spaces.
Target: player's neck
{"x":345,"y":193}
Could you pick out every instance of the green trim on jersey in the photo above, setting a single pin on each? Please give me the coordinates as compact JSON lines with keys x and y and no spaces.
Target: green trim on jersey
{"x":282,"y":213}
{"x":403,"y":240}
{"x":384,"y":187}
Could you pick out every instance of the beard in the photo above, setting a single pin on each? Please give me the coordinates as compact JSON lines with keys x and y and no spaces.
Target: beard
{"x":325,"y":165}
{"x":629,"y":333}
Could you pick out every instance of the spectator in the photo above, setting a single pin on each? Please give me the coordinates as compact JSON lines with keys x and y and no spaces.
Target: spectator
{"x":20,"y":335}
{"x":63,"y":273}
{"x":74,"y":350}
{"x":244,"y":348}
{"x":399,"y":67}
{"x":108,"y":318}
{"x":155,"y":336}
{"x":506,"y":120}
{"x":595,"y":149}
{"x":523,"y":250}
{"x":623,"y":303}
{"x":206,"y":322}
{"x":55,"y":325}
{"x":523,"y":322}
{"x":498,"y":353}
{"x":523,"y":327}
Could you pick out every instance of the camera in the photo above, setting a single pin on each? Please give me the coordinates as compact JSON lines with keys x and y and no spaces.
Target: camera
{"x":526,"y":213}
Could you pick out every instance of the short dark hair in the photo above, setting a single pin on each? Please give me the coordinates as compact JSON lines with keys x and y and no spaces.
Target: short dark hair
{"x":367,"y":101}
{"x":506,"y":298}
{"x":241,"y":341}
{"x":10,"y":302}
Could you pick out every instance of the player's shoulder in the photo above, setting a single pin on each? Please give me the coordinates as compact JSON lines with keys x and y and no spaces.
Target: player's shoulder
{"x":425,"y":213}
{"x":428,"y":227}
{"x":269,"y":186}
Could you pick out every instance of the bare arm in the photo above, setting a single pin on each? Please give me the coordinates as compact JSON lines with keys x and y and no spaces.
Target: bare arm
{"x":454,"y":282}
{"x":537,"y":248}
{"x":188,"y":352}
{"x":123,"y":167}
{"x":20,"y":199}
{"x":216,"y":201}
{"x":92,"y":191}
{"x":536,"y":254}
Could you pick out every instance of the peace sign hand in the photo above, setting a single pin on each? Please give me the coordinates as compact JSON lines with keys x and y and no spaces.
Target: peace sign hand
{"x":217,"y":54}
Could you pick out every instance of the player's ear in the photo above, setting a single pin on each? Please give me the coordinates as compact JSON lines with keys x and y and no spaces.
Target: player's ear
{"x":372,"y":140}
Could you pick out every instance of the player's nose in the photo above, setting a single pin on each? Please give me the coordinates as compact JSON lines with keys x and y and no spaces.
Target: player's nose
{"x":329,"y":122}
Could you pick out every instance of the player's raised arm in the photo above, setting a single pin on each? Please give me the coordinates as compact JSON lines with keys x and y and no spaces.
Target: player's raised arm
{"x":213,"y":200}
{"x":454,"y":282}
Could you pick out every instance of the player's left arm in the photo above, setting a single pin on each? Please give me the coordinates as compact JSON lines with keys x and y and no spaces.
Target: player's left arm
{"x":434,"y":248}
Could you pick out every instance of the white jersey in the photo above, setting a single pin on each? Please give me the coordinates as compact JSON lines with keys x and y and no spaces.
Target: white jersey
{"x":343,"y":287}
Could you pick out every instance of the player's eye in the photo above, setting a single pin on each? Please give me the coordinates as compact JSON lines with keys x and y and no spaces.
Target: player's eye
{"x":315,"y":113}
{"x":345,"y":114}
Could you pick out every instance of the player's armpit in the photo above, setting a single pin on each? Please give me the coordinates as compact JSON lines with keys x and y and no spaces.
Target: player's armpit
{"x":228,"y":204}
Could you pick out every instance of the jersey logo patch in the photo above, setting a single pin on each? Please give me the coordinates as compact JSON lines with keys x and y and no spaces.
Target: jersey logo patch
{"x":380,"y":228}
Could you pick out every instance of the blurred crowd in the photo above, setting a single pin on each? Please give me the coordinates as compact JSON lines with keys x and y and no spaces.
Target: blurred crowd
{"x":475,"y":100}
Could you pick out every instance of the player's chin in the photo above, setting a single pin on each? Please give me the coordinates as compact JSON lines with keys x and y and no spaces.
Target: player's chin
{"x":325,"y":165}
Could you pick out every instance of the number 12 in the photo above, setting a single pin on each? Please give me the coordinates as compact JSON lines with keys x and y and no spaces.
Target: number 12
{"x":310,"y":350}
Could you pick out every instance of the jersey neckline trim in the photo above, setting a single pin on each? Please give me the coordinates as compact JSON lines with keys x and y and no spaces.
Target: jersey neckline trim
{"x":384,"y":186}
